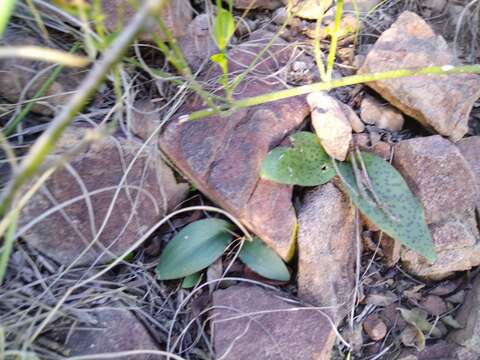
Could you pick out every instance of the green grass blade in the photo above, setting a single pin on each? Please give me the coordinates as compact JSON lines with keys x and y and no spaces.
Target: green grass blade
{"x":5,"y":14}
{"x":334,"y":40}
{"x":7,"y":247}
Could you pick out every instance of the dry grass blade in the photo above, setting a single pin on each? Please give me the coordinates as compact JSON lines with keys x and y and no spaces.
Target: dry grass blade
{"x":44,"y":54}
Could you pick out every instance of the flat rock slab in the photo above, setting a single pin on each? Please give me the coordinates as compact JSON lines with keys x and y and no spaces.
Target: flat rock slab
{"x":326,"y":250}
{"x":441,"y":103}
{"x":254,"y":323}
{"x":114,"y":330}
{"x":222,"y":155}
{"x":470,"y":149}
{"x":63,"y":218}
{"x":444,"y":183}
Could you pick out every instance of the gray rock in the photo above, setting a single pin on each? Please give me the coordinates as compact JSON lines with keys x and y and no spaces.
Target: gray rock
{"x":326,"y":249}
{"x":440,"y":103}
{"x":254,"y":323}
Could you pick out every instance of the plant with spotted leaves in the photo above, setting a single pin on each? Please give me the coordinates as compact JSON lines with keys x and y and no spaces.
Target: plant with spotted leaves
{"x":377,"y":188}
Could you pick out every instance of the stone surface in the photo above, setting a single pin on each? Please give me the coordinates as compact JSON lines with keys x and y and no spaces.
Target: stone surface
{"x":176,"y":15}
{"x":331,"y":124}
{"x":441,"y":103}
{"x":253,"y":323}
{"x":21,"y":78}
{"x":222,"y":155}
{"x":145,"y":119}
{"x":149,"y":192}
{"x":375,"y":327}
{"x":257,"y":4}
{"x":198,"y":44}
{"x":438,"y":175}
{"x":470,"y":149}
{"x":469,"y":318}
{"x":457,"y":244}
{"x":310,"y":9}
{"x":326,"y":249}
{"x":442,"y":180}
{"x":114,"y":330}
{"x":381,"y":115}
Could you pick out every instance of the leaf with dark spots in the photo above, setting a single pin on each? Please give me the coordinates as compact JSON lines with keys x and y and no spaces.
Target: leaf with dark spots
{"x":400,"y":215}
{"x":306,"y":163}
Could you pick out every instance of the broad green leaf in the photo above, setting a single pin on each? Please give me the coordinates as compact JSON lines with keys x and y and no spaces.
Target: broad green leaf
{"x":263,"y":260}
{"x":194,"y":248}
{"x":402,"y":216}
{"x":223,"y":28}
{"x":306,"y":163}
{"x":191,"y":280}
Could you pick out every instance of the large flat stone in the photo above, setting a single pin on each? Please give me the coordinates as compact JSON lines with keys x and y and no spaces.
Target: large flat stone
{"x":150,"y":191}
{"x":222,"y":155}
{"x":438,"y":175}
{"x":254,"y":323}
{"x":441,"y":103}
{"x":326,"y":249}
{"x":470,"y":149}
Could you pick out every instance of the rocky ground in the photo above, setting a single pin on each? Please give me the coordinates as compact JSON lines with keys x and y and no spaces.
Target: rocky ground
{"x":355,"y":293}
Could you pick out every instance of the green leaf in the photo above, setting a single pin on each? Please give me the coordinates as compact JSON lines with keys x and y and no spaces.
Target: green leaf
{"x":305,"y":164}
{"x":223,"y":28}
{"x":402,"y":216}
{"x":263,"y":260}
{"x":191,"y":280}
{"x":194,"y":248}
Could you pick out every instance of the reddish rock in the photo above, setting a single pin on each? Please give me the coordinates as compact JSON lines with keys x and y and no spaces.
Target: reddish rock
{"x":198,"y":44}
{"x":438,"y":175}
{"x":383,"y":116}
{"x":114,"y":330}
{"x":326,"y":249}
{"x":457,"y":244}
{"x":222,"y":155}
{"x":470,"y":149}
{"x":176,"y":15}
{"x":21,"y":78}
{"x":443,"y":181}
{"x":253,"y":323}
{"x":149,"y":192}
{"x":441,"y":103}
{"x":145,"y":119}
{"x":375,"y":327}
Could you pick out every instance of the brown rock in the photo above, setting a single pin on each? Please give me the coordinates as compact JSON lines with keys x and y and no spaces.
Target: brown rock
{"x":198,"y":44}
{"x":457,"y":244}
{"x":115,"y":330}
{"x":152,"y":191}
{"x":438,"y":175}
{"x":469,"y":318}
{"x":331,"y":124}
{"x":176,"y":15}
{"x":326,"y":249}
{"x":253,"y":323}
{"x":382,"y":115}
{"x":391,"y":250}
{"x":441,"y":103}
{"x":375,"y":327}
{"x":21,"y":78}
{"x":222,"y":155}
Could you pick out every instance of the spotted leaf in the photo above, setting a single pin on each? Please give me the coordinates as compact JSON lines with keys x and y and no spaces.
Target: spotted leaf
{"x":306,"y":163}
{"x":400,"y":215}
